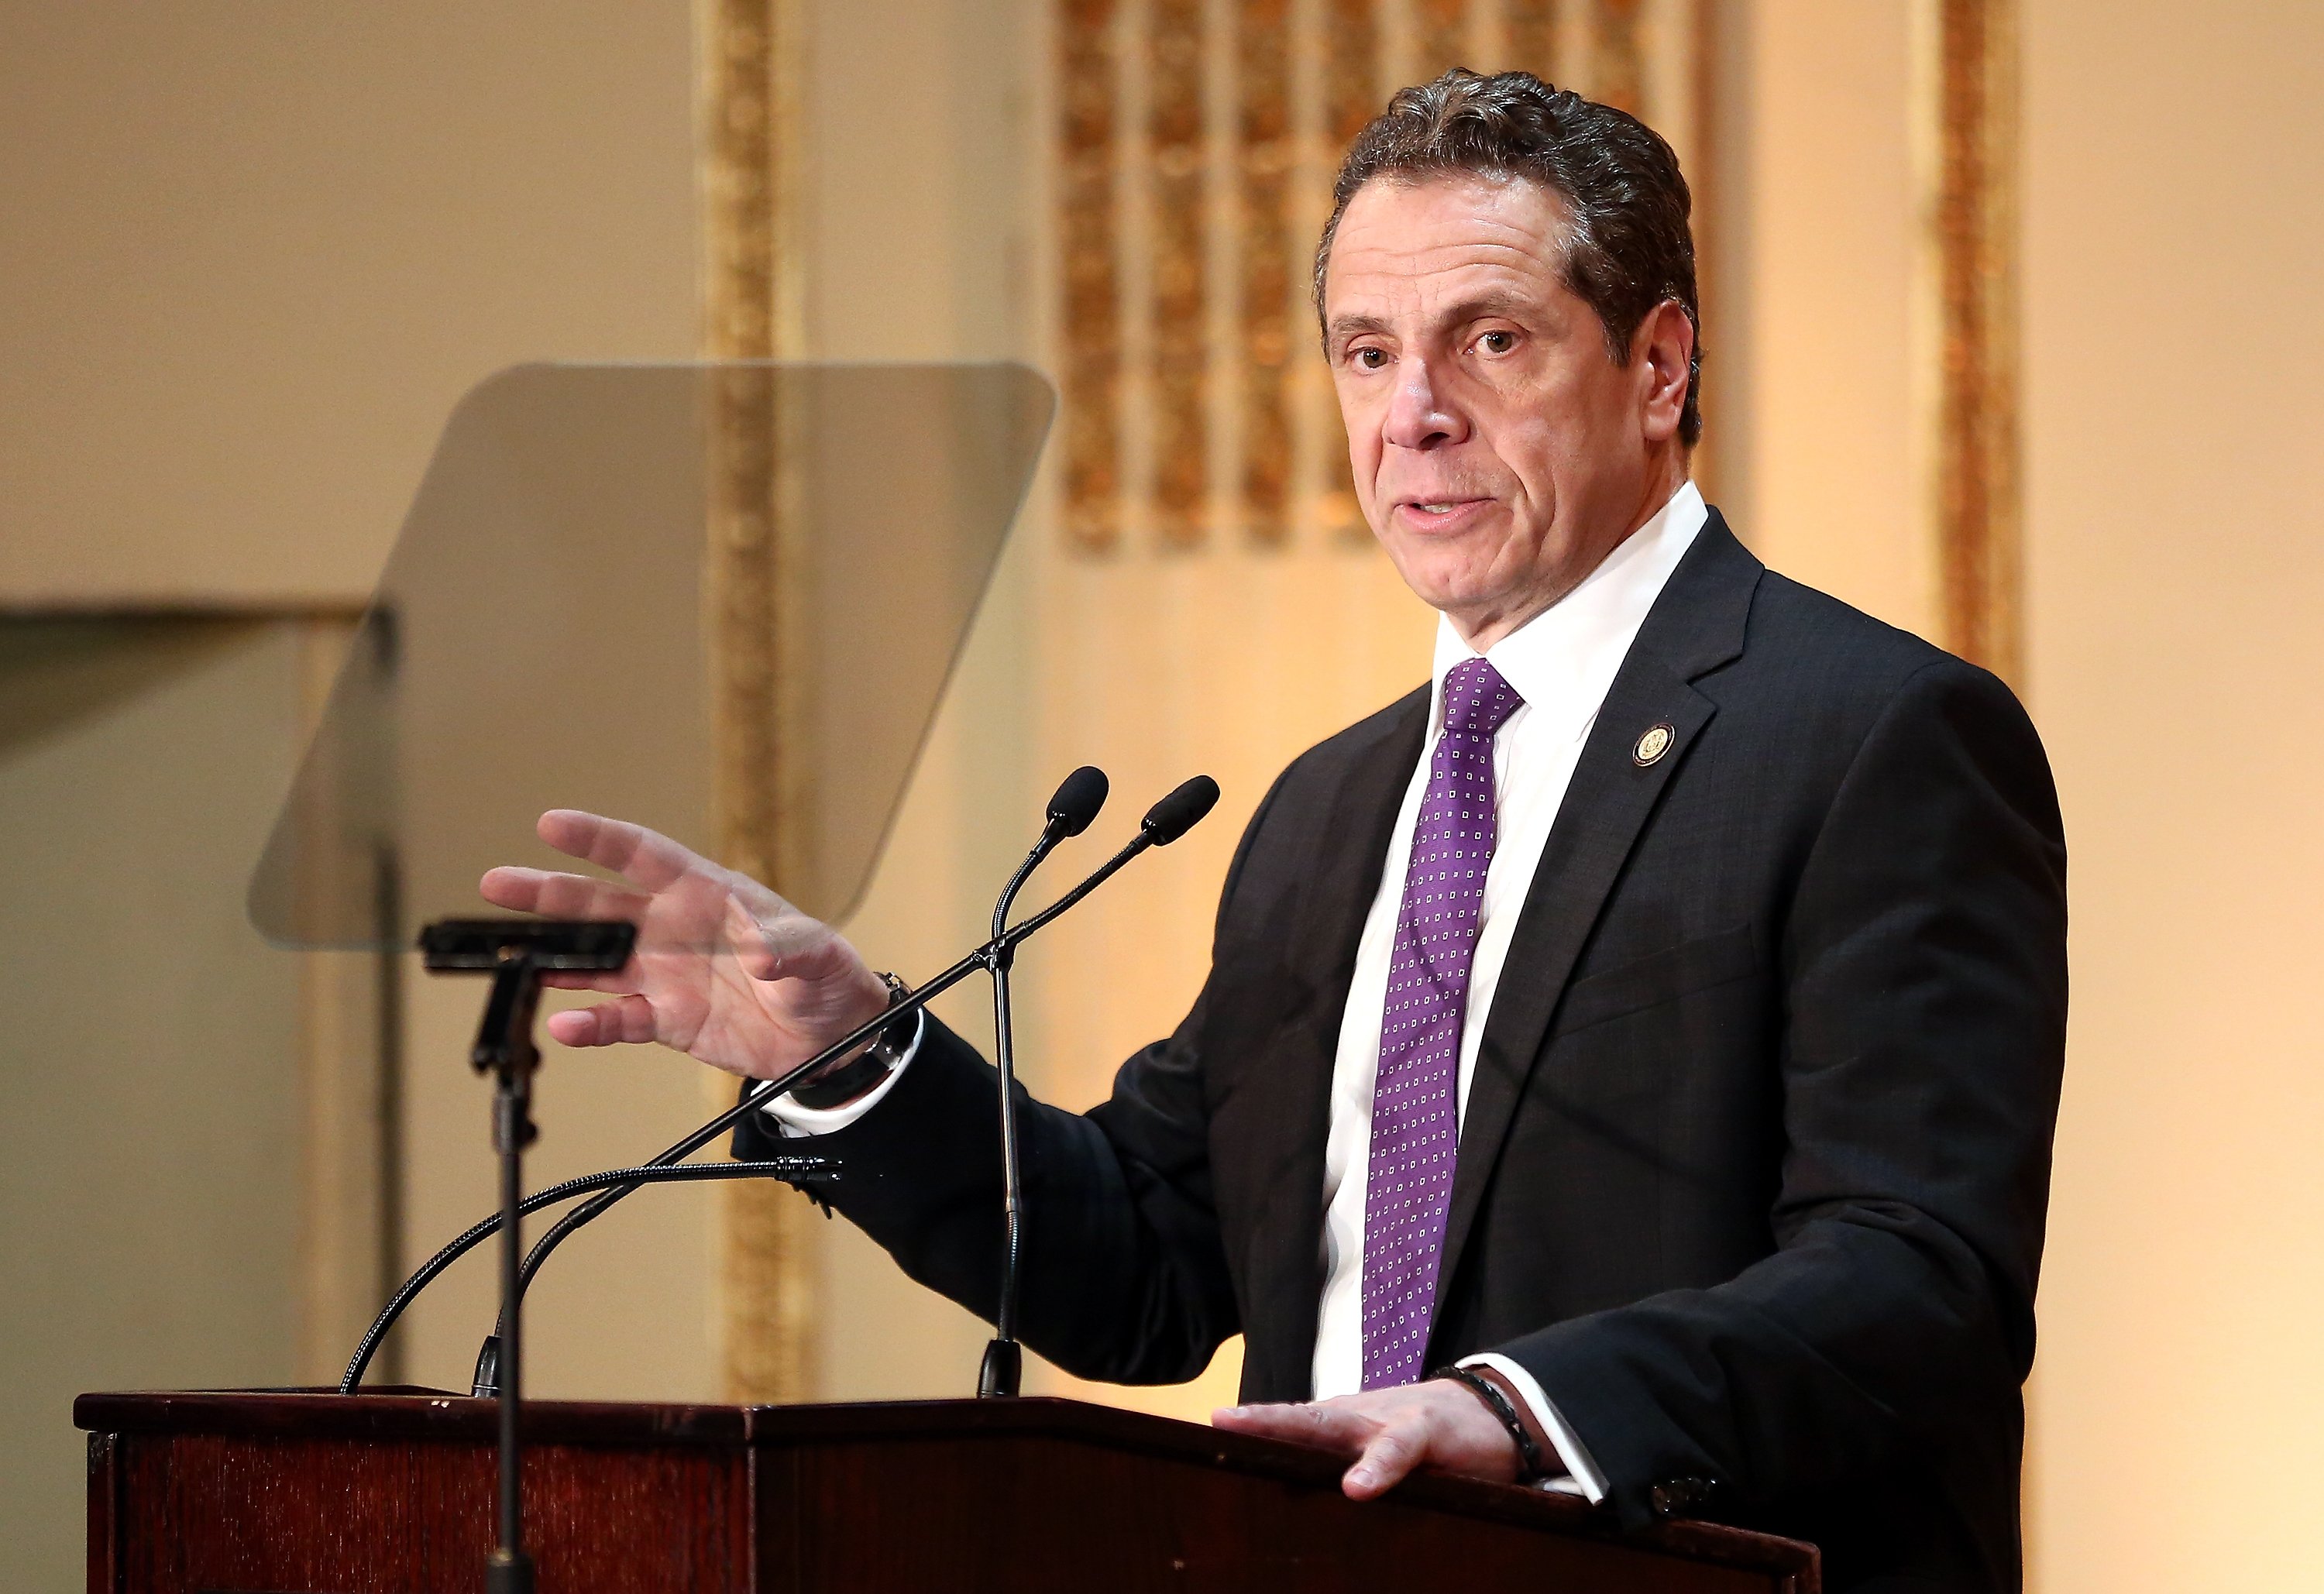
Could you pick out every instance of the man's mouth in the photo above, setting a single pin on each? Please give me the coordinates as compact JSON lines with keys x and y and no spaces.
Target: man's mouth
{"x":1440,"y":513}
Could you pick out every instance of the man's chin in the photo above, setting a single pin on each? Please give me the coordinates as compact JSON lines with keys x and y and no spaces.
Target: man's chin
{"x":1443,"y":583}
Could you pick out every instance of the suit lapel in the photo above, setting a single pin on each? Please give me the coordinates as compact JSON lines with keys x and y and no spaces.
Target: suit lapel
{"x":1695,"y":625}
{"x":1353,"y":849}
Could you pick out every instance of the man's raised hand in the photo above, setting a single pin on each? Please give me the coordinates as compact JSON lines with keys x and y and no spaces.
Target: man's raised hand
{"x":725,"y":970}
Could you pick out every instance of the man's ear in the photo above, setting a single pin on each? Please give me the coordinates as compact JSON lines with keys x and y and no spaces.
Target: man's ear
{"x":1663,"y":351}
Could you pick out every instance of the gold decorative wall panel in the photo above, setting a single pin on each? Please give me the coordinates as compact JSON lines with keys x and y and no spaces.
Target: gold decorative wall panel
{"x":1442,"y":36}
{"x":1353,"y":95}
{"x":1195,"y":406}
{"x":1530,"y":31}
{"x":1619,"y":64}
{"x":1266,"y":154}
{"x":1091,"y":348}
{"x":1180,"y":335}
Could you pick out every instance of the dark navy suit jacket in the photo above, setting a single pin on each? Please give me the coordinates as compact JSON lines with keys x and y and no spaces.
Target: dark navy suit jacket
{"x":1755,"y":1164}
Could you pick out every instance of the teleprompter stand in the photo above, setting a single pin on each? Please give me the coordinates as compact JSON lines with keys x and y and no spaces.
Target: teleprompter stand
{"x":516,"y":952}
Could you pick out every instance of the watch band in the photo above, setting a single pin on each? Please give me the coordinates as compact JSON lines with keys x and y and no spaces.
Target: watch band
{"x":1529,"y":1465}
{"x":881,"y":1057}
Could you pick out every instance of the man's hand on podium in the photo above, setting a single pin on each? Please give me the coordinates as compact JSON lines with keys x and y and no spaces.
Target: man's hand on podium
{"x":726,"y":972}
{"x":1391,"y":1433}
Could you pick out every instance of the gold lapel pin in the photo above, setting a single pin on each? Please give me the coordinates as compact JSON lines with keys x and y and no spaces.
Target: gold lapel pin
{"x":1656,"y":742}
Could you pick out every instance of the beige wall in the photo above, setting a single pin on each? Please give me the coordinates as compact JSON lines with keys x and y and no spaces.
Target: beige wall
{"x":254,"y":255}
{"x":2173,"y":563}
{"x":2174,"y":219}
{"x":919,"y":216}
{"x":256,"y":251}
{"x":1825,"y":231}
{"x":149,"y":1149}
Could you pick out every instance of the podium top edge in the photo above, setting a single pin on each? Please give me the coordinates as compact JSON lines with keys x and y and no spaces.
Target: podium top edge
{"x":407,"y":1415}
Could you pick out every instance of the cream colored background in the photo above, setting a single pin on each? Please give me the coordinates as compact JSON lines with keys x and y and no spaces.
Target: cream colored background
{"x":255,"y":252}
{"x":2173,"y":223}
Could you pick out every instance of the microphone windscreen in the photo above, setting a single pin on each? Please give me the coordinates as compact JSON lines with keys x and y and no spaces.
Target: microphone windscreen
{"x":1079,"y":798}
{"x":1181,"y":811}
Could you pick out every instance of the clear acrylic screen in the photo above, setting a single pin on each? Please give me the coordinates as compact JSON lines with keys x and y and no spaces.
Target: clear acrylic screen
{"x":712,"y":600}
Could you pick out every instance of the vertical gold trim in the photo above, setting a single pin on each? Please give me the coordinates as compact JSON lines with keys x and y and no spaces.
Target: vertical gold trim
{"x":1265,"y":153}
{"x":1530,"y":28}
{"x":1181,"y":373}
{"x":1976,"y":461}
{"x":1619,"y":67}
{"x":754,"y":309}
{"x":1087,"y":87}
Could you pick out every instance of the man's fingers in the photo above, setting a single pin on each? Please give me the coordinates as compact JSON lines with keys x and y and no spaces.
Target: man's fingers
{"x":556,"y":895}
{"x":1319,"y":1424}
{"x":516,"y":890}
{"x":620,"y":982}
{"x":645,"y":858}
{"x":1385,"y":1451}
{"x":626,"y":1019}
{"x":1391,"y":1457}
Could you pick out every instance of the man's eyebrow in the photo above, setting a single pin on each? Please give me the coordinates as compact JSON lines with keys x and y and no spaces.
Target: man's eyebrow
{"x":1492,"y":301}
{"x":1478,"y":307}
{"x":1345,"y":326}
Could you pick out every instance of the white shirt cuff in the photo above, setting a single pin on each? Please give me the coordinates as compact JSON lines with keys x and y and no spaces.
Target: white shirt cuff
{"x":1581,"y":1474}
{"x":795,"y":1122}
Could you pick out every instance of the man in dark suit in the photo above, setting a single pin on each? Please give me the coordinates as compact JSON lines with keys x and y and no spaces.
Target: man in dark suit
{"x":1629,"y":1061}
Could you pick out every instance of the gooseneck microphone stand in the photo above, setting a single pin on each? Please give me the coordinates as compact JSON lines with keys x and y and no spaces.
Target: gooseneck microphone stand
{"x":1001,"y":1375}
{"x":516,"y":953}
{"x":1076,"y":803}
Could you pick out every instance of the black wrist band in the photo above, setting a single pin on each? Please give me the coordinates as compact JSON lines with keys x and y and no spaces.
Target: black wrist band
{"x":1529,"y":1465}
{"x":879,"y":1058}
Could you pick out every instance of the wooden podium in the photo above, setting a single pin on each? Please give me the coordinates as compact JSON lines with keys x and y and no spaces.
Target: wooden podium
{"x":298,"y":1493}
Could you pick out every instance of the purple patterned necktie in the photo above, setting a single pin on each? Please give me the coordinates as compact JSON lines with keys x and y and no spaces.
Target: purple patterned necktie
{"x":1416,"y":1104}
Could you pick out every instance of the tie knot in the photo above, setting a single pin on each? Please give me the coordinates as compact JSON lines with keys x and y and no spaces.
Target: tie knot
{"x":1476,"y":699}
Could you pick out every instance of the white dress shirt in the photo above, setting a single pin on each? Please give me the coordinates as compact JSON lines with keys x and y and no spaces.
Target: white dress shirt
{"x":1562,"y":663}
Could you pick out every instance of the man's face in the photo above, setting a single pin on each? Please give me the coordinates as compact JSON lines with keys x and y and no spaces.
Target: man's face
{"x":1500,"y":453}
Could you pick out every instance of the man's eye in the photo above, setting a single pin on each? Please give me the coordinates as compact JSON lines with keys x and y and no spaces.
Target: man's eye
{"x":1371,"y":359}
{"x":1498,"y":343}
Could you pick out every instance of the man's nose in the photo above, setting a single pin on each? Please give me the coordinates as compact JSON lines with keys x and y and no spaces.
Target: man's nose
{"x":1420,"y":415}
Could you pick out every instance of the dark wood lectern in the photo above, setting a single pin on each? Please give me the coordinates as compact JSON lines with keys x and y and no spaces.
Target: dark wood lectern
{"x":318,"y":1494}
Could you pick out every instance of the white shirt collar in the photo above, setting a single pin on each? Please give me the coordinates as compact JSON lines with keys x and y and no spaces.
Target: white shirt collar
{"x":1563,"y":659}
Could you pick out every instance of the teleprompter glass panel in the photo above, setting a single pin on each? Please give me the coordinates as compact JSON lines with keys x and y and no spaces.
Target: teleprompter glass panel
{"x":720,"y":601}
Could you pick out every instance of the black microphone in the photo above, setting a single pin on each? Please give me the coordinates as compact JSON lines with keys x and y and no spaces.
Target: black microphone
{"x":1003,"y":1372}
{"x":1181,"y":811}
{"x":1079,"y":798}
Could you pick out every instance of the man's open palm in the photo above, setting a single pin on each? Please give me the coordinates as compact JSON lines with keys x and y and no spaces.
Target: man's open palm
{"x":725,"y":970}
